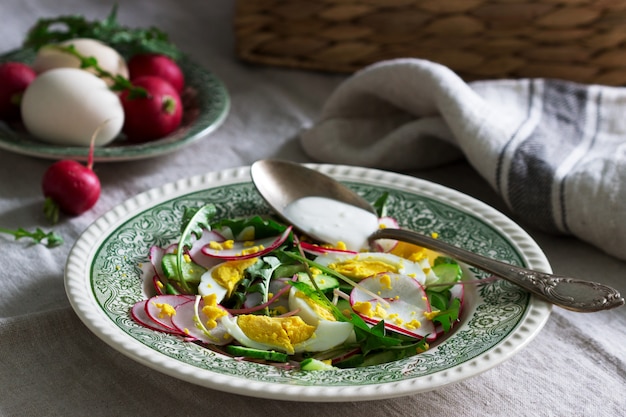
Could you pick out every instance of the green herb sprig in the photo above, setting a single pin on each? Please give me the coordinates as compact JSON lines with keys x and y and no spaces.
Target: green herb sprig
{"x":128,"y":41}
{"x":49,"y":239}
{"x":120,"y":83}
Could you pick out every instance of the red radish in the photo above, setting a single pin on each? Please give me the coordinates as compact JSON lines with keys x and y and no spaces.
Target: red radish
{"x":156,"y":65}
{"x":245,"y":250}
{"x":154,"y":116}
{"x":70,"y":187}
{"x":14,"y":78}
{"x":138,"y":313}
{"x":318,"y":250}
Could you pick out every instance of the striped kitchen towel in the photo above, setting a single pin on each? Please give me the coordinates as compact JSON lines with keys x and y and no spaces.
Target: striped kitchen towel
{"x":555,"y":151}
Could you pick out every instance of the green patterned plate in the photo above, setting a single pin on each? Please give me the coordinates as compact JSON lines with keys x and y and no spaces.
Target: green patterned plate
{"x":206,"y":104}
{"x":104,"y":279}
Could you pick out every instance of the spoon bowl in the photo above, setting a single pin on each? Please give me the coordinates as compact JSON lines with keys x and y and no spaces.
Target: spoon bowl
{"x":282,"y":183}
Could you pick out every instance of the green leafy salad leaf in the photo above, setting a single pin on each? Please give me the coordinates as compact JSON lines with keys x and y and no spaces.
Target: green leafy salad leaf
{"x":195,"y":221}
{"x":262,"y":227}
{"x":260,"y":275}
{"x":380,"y":205}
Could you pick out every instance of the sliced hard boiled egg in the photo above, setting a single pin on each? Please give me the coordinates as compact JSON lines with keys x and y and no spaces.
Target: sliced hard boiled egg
{"x":264,"y":332}
{"x":327,"y":335}
{"x":222,"y":279}
{"x":310,"y":311}
{"x":366,"y":264}
{"x":286,"y":334}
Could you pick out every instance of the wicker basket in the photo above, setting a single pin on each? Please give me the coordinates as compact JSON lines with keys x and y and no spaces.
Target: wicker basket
{"x":578,"y":40}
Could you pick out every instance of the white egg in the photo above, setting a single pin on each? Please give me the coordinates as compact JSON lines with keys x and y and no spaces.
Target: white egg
{"x":66,"y":106}
{"x":373,"y":261}
{"x":50,"y":57}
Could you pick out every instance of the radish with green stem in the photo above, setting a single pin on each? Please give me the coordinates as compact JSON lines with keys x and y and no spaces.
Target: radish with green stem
{"x":70,"y":187}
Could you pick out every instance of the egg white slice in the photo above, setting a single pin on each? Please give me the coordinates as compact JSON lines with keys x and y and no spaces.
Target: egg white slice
{"x":402,"y":266}
{"x":327,"y":335}
{"x":308,"y":314}
{"x":208,"y":285}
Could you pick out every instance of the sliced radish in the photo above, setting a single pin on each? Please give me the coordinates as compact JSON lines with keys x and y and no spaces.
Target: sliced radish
{"x":196,"y":253}
{"x":157,"y":309}
{"x":406,"y":304}
{"x":320,"y":250}
{"x":240,"y":249}
{"x":186,"y":321}
{"x":158,"y":285}
{"x":156,"y":256}
{"x":386,"y":245}
{"x":138,"y":313}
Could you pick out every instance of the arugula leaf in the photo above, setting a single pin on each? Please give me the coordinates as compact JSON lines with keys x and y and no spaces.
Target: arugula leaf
{"x":195,"y":220}
{"x":448,"y":317}
{"x":380,"y":205}
{"x":126,"y":40}
{"x":261,"y":273}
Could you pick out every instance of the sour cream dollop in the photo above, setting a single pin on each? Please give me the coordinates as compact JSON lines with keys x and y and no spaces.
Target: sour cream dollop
{"x":332,"y":221}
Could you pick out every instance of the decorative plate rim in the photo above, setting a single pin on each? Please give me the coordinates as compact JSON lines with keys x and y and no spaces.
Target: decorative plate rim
{"x":82,"y":299}
{"x":214,"y":105}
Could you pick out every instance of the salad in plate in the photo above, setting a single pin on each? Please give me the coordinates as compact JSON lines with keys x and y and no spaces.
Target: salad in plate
{"x":254,"y":289}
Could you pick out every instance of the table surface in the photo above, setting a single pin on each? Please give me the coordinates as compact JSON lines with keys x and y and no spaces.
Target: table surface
{"x":50,"y":364}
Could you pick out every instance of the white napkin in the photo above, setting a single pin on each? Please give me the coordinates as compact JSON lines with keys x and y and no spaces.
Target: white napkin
{"x":555,"y":151}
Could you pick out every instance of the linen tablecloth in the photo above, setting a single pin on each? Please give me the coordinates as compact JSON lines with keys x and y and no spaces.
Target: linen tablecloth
{"x":51,"y":365}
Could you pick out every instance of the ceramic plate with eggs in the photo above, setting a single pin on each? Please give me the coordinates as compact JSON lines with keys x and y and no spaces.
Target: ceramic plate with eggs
{"x":205,"y":106}
{"x":105,"y":277}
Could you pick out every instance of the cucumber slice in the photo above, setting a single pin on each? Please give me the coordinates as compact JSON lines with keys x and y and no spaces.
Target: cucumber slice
{"x":324,"y":282}
{"x":191,"y":271}
{"x":447,"y":273}
{"x":246,"y":352}
{"x":312,"y":364}
{"x":287,"y":271}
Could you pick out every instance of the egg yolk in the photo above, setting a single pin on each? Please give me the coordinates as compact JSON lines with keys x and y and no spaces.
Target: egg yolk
{"x":165,"y":310}
{"x":414,"y":253}
{"x":282,"y":332}
{"x":365,"y":308}
{"x":227,"y":244}
{"x":320,"y":310}
{"x":363,"y":268}
{"x":212,"y":311}
{"x":228,"y":274}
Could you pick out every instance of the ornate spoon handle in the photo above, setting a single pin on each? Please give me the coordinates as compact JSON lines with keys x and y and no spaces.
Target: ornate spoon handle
{"x":570,"y":293}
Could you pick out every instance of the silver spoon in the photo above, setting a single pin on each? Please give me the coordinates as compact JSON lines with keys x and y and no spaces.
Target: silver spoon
{"x":281,"y":182}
